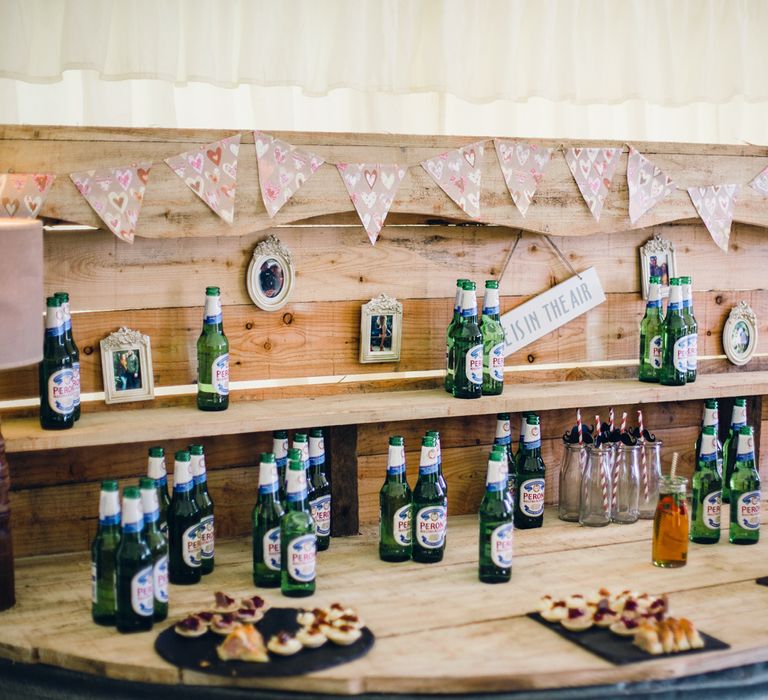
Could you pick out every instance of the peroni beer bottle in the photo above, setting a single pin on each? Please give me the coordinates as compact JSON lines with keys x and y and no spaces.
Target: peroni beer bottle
{"x":183,"y":525}
{"x":468,"y":349}
{"x":72,"y":348}
{"x":280,"y":450}
{"x":298,"y":541}
{"x":395,"y":507}
{"x":56,"y":373}
{"x":103,"y":556}
{"x":745,"y":493}
{"x":496,"y":527}
{"x":212,"y":357}
{"x":493,"y":341}
{"x":707,"y":491}
{"x":529,"y":504}
{"x":674,"y":339}
{"x":265,"y":520}
{"x":430,"y":508}
{"x":207,"y":534}
{"x":731,"y":445}
{"x":452,"y":326}
{"x":320,"y":502}
{"x":156,"y":470}
{"x":693,"y":331}
{"x":158,"y":547}
{"x":650,"y":335}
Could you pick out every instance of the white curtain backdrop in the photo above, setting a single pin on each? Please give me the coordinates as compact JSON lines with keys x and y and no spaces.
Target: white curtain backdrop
{"x":682,"y":70}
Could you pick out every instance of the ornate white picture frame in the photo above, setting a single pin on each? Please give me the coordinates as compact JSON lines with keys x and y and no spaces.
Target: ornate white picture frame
{"x":740,"y":334}
{"x":381,"y":329}
{"x":271,"y":276}
{"x":657,"y":257}
{"x":126,"y":363}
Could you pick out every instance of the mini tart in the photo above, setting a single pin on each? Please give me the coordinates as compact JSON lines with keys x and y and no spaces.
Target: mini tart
{"x":190,"y":626}
{"x":602,"y":594}
{"x":206,"y":616}
{"x":604,"y":618}
{"x":625,"y":627}
{"x":311,"y":637}
{"x":343,"y":635}
{"x":249,"y":614}
{"x":306,"y":618}
{"x":348,"y":619}
{"x":223,"y":603}
{"x":337,"y":610}
{"x":255,"y":602}
{"x":556,"y":613}
{"x":576,"y":601}
{"x":284,"y":644}
{"x":243,"y":644}
{"x":545,"y":603}
{"x":224,"y":623}
{"x":577,"y":619}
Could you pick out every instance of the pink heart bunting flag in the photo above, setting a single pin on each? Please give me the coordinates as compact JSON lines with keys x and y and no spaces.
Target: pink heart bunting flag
{"x":23,"y":194}
{"x":715,"y":207}
{"x":283,"y":168}
{"x":522,"y":165}
{"x":648,"y":184}
{"x":458,"y":174}
{"x":372,"y":188}
{"x":116,"y":195}
{"x":210,"y":171}
{"x":593,"y":170}
{"x":760,"y":183}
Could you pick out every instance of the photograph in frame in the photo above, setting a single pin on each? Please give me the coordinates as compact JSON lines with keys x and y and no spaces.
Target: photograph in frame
{"x":381,"y":330}
{"x":126,"y":362}
{"x":657,"y":258}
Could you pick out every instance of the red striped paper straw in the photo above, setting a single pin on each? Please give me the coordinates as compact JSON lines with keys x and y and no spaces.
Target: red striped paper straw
{"x":643,"y":458}
{"x":578,"y":423}
{"x":603,"y":482}
{"x":611,"y":423}
{"x":624,"y":422}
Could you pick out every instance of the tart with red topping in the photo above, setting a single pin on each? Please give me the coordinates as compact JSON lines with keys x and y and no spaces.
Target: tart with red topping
{"x":224,"y":623}
{"x":191,"y":626}
{"x":223,"y":603}
{"x":284,"y":644}
{"x":577,"y":619}
{"x":556,"y":613}
{"x":311,"y":637}
{"x":255,"y":602}
{"x":344,"y":635}
{"x":625,"y":626}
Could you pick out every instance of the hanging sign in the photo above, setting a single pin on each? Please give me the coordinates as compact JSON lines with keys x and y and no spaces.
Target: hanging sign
{"x":550,"y":310}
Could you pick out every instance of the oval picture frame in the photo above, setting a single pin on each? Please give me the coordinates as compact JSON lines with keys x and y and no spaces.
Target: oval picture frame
{"x":740,"y":334}
{"x":271,"y":275}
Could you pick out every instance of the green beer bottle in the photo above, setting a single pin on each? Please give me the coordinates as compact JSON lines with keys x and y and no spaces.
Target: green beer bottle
{"x":156,"y":470}
{"x":301,"y":443}
{"x":496,"y":527}
{"x":468,"y":349}
{"x":56,"y":374}
{"x":711,"y":419}
{"x":320,"y":501}
{"x":204,"y":502}
{"x":745,"y":492}
{"x":443,"y":483}
{"x":503,"y":439}
{"x":158,"y":547}
{"x":103,"y":556}
{"x":72,"y":349}
{"x":529,"y":504}
{"x":452,"y":326}
{"x":183,"y":525}
{"x":265,"y":519}
{"x":502,"y":457}
{"x":693,"y":331}
{"x":707,"y":491}
{"x":674,"y":339}
{"x":650,"y":335}
{"x":280,"y":450}
{"x":493,"y":341}
{"x":395,"y":507}
{"x":135,"y":594}
{"x":298,"y":542}
{"x":212,"y":357}
{"x":731,"y":445}
{"x":430,"y":508}
{"x":523,"y":420}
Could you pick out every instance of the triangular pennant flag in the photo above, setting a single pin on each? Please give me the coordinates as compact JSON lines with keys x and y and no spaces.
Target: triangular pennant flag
{"x":116,"y":195}
{"x":282,"y":169}
{"x":372,"y":188}
{"x":760,"y":183}
{"x":715,"y":207}
{"x":23,"y":194}
{"x":210,"y":171}
{"x":458,"y":174}
{"x":648,"y":184}
{"x":522,"y":165}
{"x":593,"y":170}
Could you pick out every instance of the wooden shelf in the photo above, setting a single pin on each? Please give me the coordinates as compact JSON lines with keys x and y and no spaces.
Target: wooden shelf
{"x":144,"y":425}
{"x":457,"y":624}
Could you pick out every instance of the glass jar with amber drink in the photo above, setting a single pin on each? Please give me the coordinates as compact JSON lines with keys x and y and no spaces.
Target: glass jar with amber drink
{"x":670,"y":525}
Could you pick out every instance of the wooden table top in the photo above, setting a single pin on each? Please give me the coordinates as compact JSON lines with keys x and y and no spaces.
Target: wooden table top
{"x":438,"y":629}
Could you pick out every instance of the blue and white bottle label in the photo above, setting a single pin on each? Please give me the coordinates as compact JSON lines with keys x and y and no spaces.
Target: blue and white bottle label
{"x":220,"y":375}
{"x":711,"y":510}
{"x":532,"y":497}
{"x":680,"y":354}
{"x":501,"y":545}
{"x":496,"y":362}
{"x":76,"y":380}
{"x":693,"y":351}
{"x":270,"y":548}
{"x":320,"y":508}
{"x":207,"y":537}
{"x":302,"y":558}
{"x":654,"y":352}
{"x":748,"y":510}
{"x":61,"y":391}
{"x":160,"y":579}
{"x":431,"y":524}
{"x":474,"y":364}
{"x":190,"y":546}
{"x":402,"y":525}
{"x":142,"y":593}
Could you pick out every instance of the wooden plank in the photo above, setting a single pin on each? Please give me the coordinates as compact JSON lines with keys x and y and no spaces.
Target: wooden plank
{"x":341,"y":452}
{"x":170,"y":209}
{"x":321,"y":339}
{"x":338,"y":263}
{"x":118,"y":427}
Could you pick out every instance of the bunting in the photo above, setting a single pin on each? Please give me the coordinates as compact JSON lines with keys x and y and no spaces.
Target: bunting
{"x":760,"y":183}
{"x":458,"y":174}
{"x":210,"y":171}
{"x":715,"y":207}
{"x":372,"y":188}
{"x":593,"y":170}
{"x":648,"y":184}
{"x":23,"y":194}
{"x":283,"y":168}
{"x":522,"y":165}
{"x":116,"y":195}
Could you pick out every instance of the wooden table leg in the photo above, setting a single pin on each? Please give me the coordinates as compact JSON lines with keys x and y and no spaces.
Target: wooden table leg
{"x":7,"y":589}
{"x":341,"y":453}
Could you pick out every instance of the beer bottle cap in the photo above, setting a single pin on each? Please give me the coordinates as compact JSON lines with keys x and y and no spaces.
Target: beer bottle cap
{"x":267,"y":456}
{"x":469,"y":285}
{"x":675,"y":282}
{"x":710,"y":403}
{"x":655,"y":279}
{"x":502,"y":416}
{"x":156,"y":451}
{"x":109,"y":485}
{"x":396,"y":441}
{"x":212,"y":291}
{"x":491,"y":284}
{"x":316,"y":433}
{"x":195,"y":449}
{"x":709,"y":430}
{"x":280,"y":434}
{"x":146,"y":483}
{"x":433,"y":433}
{"x":131,"y":492}
{"x":428,"y":441}
{"x":685,"y":280}
{"x":741,"y":402}
{"x":53,"y":301}
{"x":532,"y":419}
{"x":299,"y":437}
{"x":294,"y":454}
{"x":182,"y":456}
{"x":745,"y":430}
{"x":64,"y":296}
{"x":498,"y":450}
{"x":461,"y":282}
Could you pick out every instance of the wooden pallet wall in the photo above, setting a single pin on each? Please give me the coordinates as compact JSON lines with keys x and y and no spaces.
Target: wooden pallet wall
{"x":157,"y":286}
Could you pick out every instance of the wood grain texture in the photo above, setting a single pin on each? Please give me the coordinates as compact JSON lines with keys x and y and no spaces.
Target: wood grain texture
{"x":341,"y":453}
{"x":458,"y":643}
